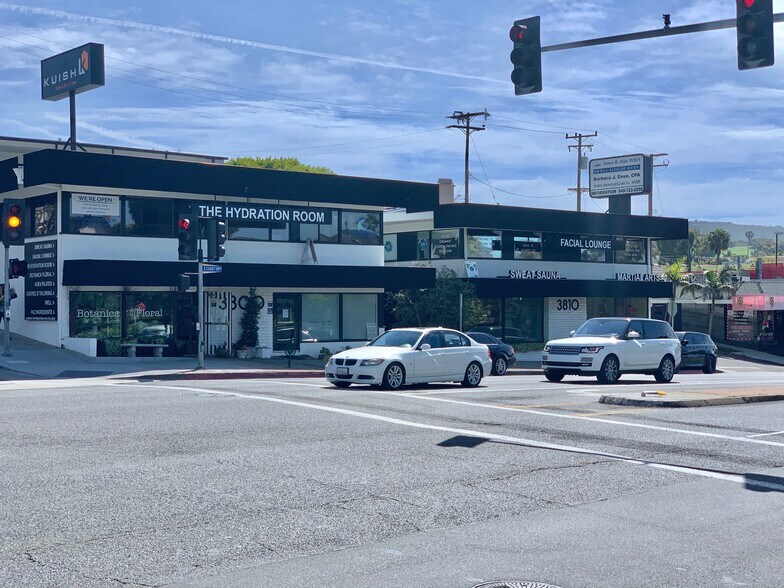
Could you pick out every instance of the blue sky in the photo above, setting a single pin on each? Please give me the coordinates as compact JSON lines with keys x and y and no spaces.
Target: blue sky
{"x":365,"y":90}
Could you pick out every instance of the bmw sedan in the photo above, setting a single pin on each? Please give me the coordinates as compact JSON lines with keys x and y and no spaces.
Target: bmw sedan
{"x":411,"y":356}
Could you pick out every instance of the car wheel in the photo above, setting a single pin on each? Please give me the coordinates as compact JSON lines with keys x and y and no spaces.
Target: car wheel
{"x":473,"y":375}
{"x":610,"y":371}
{"x":666,"y":370}
{"x":554,"y":376}
{"x":394,"y":376}
{"x":341,"y":384}
{"x":710,"y":365}
{"x":499,"y":366}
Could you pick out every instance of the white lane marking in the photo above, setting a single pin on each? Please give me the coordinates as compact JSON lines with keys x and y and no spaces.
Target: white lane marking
{"x":767,"y":434}
{"x":580,"y":418}
{"x":495,"y":437}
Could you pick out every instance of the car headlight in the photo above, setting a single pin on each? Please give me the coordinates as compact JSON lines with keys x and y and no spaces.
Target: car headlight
{"x":592,"y":349}
{"x":376,"y":361}
{"x":546,"y":348}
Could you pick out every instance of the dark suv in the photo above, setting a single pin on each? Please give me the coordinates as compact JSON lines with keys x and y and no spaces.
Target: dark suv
{"x":698,"y":351}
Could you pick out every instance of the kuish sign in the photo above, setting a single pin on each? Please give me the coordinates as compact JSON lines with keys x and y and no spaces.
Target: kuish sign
{"x":626,"y":175}
{"x":534,"y":275}
{"x":639,"y":277}
{"x":267,"y":213}
{"x":76,"y":70}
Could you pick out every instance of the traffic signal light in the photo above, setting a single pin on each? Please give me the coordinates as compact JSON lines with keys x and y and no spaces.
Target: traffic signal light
{"x":754,"y":24}
{"x":13,"y":222}
{"x":183,"y":283}
{"x":526,"y":56}
{"x":17,"y":268}
{"x":187,"y":234}
{"x":216,"y":237}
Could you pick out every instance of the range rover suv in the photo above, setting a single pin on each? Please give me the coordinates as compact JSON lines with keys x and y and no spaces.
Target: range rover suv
{"x":609,"y":347}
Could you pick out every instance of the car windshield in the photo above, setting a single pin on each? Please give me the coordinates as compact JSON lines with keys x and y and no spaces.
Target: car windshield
{"x":396,"y":339}
{"x":601,"y":327}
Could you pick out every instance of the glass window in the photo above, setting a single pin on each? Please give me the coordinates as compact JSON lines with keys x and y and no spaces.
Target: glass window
{"x":484,"y":244}
{"x":631,"y":307}
{"x":445,"y":244}
{"x":657,"y":330}
{"x":308,"y":232}
{"x":149,"y":217}
{"x":433,"y":339}
{"x":44,"y":215}
{"x":361,"y":227}
{"x":95,"y":315}
{"x":390,"y":247}
{"x":523,"y":320}
{"x":279,"y":231}
{"x":328,"y":233}
{"x":637,"y":326}
{"x":592,"y":254}
{"x":320,"y":320}
{"x":634,"y":252}
{"x":94,"y":214}
{"x":241,"y":232}
{"x":360,"y":316}
{"x":148,"y":317}
{"x":484,"y":316}
{"x":452,"y":339}
{"x":600,"y":306}
{"x":527,"y":245}
{"x":423,"y":245}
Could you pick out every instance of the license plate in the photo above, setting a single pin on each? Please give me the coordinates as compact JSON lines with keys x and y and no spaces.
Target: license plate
{"x":342,"y":371}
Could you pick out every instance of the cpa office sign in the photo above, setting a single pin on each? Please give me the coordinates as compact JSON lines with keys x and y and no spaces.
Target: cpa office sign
{"x":76,"y":70}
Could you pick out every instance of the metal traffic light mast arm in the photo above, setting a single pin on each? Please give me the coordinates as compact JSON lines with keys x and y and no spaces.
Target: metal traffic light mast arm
{"x":728,"y":23}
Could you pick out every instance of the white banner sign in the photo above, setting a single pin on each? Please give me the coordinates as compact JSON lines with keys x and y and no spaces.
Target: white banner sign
{"x":95,"y":205}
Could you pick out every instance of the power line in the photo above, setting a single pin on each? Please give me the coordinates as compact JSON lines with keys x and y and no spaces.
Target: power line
{"x":492,"y":193}
{"x":465,"y":118}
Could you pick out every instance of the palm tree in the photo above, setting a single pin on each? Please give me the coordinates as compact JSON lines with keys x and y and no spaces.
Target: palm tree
{"x":718,"y":240}
{"x":718,"y":285}
{"x":676,"y":273}
{"x":749,"y":237}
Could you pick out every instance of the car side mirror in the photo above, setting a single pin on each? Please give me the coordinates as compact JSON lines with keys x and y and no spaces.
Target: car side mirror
{"x":424,"y":347}
{"x":685,"y":342}
{"x":571,"y":333}
{"x":633,"y":335}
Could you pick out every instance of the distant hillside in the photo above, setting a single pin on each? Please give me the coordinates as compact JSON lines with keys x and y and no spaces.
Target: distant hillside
{"x":737,"y":232}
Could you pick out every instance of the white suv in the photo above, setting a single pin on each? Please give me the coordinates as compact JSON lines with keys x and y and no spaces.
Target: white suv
{"x":609,"y":347}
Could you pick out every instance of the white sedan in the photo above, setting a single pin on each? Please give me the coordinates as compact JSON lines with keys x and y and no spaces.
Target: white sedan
{"x":411,"y":356}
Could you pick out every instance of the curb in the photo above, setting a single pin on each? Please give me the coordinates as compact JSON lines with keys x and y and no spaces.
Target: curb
{"x":260,"y":374}
{"x":607,"y":399}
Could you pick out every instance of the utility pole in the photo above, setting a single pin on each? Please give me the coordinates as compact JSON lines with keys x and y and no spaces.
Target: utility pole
{"x":665,"y":163}
{"x":465,"y":118}
{"x":581,"y":164}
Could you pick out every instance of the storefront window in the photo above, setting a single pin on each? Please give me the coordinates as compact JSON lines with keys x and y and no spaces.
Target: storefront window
{"x":592,"y":254}
{"x":445,"y":244}
{"x":148,"y":317}
{"x":241,"y":232}
{"x":484,"y":316}
{"x":484,"y":244}
{"x":320,"y":321}
{"x":95,"y":214}
{"x":360,"y":317}
{"x":96,"y":315}
{"x":361,"y":227}
{"x":600,"y":306}
{"x":390,"y":247}
{"x":423,"y":245}
{"x":279,"y":231}
{"x":631,"y":307}
{"x":523,"y":320}
{"x":328,"y":233}
{"x":527,"y":246}
{"x":634,"y":252}
{"x":149,"y":217}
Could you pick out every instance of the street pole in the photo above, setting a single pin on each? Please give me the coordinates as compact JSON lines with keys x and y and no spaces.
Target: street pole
{"x":6,"y":308}
{"x":200,"y":295}
{"x":775,"y":271}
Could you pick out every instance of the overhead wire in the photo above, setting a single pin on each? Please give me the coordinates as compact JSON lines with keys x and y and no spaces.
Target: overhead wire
{"x":479,"y":157}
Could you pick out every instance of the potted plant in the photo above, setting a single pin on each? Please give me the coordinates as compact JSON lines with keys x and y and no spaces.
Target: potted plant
{"x":249,"y":325}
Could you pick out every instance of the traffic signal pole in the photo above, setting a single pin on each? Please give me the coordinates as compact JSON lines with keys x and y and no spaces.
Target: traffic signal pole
{"x":200,"y":295}
{"x":7,"y":307}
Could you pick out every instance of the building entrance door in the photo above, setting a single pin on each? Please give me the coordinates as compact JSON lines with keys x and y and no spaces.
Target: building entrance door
{"x":218,"y":322}
{"x":286,"y":322}
{"x":186,"y":336}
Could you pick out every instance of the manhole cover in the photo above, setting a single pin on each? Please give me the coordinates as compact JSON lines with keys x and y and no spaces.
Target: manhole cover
{"x":515,"y":584}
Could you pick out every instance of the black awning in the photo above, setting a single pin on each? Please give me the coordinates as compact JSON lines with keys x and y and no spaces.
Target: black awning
{"x":92,"y":272}
{"x":514,"y":288}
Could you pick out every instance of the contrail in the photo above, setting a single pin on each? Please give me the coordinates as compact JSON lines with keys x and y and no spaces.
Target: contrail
{"x":61,"y":14}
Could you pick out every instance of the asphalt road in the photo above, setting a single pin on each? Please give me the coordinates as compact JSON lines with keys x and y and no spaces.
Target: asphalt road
{"x":296,"y":483}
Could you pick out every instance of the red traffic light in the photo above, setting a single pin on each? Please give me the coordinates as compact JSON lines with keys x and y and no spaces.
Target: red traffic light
{"x":748,"y":3}
{"x":516,"y":33}
{"x":183,"y":224}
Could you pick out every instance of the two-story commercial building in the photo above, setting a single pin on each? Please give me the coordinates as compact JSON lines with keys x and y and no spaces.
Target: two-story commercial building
{"x":102,"y":251}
